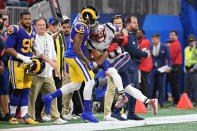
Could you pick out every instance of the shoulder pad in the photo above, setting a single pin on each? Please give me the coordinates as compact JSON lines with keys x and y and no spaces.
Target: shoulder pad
{"x":13,"y":29}
{"x":80,"y":27}
{"x":114,"y":28}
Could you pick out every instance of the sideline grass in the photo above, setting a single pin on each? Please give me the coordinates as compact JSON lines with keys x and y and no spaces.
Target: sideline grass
{"x":162,"y":112}
{"x":190,"y":126}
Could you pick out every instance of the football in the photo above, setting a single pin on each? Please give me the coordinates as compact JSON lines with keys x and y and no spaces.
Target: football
{"x":96,"y":53}
{"x":117,"y":39}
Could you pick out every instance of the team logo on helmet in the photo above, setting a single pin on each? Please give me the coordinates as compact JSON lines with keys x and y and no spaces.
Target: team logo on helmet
{"x":90,"y":15}
{"x":36,"y":67}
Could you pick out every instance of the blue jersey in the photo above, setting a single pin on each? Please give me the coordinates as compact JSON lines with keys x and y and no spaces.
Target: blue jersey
{"x":20,"y":40}
{"x":78,"y":27}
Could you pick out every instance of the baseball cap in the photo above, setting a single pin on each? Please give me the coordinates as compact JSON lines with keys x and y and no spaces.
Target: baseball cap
{"x":65,"y":17}
{"x":51,"y":20}
{"x":191,"y":37}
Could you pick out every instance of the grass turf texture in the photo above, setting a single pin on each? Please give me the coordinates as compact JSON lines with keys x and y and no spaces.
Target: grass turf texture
{"x":162,"y":112}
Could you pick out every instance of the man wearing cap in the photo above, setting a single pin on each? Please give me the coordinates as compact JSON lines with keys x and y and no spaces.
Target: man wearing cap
{"x":191,"y":67}
{"x":59,"y":44}
{"x":4,"y":77}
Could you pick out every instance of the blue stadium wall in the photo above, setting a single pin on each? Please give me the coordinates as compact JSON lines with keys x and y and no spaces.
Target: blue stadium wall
{"x":185,"y":24}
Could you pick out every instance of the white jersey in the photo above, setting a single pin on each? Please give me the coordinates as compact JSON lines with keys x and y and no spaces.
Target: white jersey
{"x":110,"y":29}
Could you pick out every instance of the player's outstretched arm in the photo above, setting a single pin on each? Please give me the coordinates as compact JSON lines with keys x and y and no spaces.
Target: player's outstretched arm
{"x":77,"y":47}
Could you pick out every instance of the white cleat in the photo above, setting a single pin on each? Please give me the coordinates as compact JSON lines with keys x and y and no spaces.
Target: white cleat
{"x":59,"y":121}
{"x":109,"y":118}
{"x":46,"y":118}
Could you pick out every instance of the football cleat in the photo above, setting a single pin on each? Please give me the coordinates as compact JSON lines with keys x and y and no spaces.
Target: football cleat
{"x":153,"y":103}
{"x":27,"y":120}
{"x":88,"y":116}
{"x":118,"y":116}
{"x":122,"y":99}
{"x":47,"y":99}
{"x":13,"y":121}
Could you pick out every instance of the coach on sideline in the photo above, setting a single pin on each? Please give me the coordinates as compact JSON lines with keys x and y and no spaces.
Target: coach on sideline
{"x":133,"y":48}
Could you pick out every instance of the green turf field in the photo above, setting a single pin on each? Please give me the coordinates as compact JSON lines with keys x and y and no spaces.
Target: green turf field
{"x":162,"y":112}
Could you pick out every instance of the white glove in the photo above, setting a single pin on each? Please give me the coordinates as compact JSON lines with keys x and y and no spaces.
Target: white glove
{"x":25,"y":59}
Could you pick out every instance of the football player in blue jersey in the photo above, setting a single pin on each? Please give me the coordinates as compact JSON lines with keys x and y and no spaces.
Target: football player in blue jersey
{"x":19,"y":46}
{"x":80,"y":68}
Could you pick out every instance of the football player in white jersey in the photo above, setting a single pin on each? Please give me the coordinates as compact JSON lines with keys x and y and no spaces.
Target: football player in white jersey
{"x":101,"y":40}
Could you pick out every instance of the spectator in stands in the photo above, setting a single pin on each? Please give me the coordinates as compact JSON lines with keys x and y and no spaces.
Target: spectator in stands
{"x":22,"y":3}
{"x":2,"y":6}
{"x":160,"y":53}
{"x":4,"y":88}
{"x":44,"y":83}
{"x":174,"y":75}
{"x":191,"y":68}
{"x":146,"y":63}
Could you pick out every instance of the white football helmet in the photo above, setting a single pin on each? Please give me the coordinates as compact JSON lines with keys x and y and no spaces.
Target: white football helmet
{"x":98,"y":33}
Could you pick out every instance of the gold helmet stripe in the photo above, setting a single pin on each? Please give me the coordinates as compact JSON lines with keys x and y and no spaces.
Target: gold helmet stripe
{"x":89,"y":10}
{"x":38,"y":66}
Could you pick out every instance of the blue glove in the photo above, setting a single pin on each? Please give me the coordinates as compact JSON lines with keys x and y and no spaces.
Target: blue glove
{"x":106,"y":64}
{"x":90,"y":66}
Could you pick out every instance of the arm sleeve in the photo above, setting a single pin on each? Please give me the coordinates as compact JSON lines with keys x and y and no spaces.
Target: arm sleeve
{"x":12,"y":37}
{"x":134,"y":51}
{"x":169,"y":58}
{"x":37,"y":48}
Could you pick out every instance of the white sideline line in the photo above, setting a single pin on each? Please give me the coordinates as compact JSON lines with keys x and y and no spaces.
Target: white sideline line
{"x":104,"y":125}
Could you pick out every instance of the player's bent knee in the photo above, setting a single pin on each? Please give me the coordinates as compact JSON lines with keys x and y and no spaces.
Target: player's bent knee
{"x":112,"y":71}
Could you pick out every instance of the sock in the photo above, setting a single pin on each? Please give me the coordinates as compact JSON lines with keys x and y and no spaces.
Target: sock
{"x":24,"y":110}
{"x":86,"y":105}
{"x":87,"y":92}
{"x":146,"y":101}
{"x":13,"y":110}
{"x":137,"y":94}
{"x":70,"y":87}
{"x":57,"y":93}
{"x":117,"y":79}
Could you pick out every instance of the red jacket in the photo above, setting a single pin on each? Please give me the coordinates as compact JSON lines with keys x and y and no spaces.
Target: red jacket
{"x":146,"y":63}
{"x":175,"y":51}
